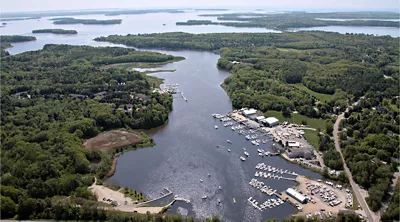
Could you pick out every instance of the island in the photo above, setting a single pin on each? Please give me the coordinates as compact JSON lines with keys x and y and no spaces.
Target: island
{"x":196,"y":22}
{"x":61,"y":107}
{"x":288,"y":20}
{"x":64,"y":21}
{"x":344,"y":86}
{"x":55,"y":31}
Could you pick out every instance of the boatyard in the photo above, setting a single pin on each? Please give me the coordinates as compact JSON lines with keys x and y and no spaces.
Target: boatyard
{"x":317,"y":195}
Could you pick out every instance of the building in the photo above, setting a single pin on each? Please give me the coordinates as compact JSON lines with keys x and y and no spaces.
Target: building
{"x":260,"y":118}
{"x":293,"y":144}
{"x":249,"y":112}
{"x":252,"y":124}
{"x":299,"y":153}
{"x":296,"y":195}
{"x":271,"y":121}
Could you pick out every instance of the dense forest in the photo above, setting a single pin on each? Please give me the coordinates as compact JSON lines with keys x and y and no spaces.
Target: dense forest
{"x":370,"y":139}
{"x":64,"y":21}
{"x":393,"y":211}
{"x":53,"y":99}
{"x":269,"y":68}
{"x":55,"y":31}
{"x":283,"y":21}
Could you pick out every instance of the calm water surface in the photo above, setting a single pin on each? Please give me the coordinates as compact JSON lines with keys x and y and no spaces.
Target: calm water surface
{"x":186,"y":147}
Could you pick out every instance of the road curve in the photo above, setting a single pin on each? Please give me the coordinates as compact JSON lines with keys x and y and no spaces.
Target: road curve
{"x":356,"y":189}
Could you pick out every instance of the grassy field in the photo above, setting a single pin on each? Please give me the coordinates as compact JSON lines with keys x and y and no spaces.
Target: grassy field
{"x":312,"y":138}
{"x":142,"y":65}
{"x":320,"y":96}
{"x":297,"y":118}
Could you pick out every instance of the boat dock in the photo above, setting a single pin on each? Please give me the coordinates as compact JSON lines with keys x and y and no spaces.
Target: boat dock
{"x":143,"y":204}
{"x":262,"y":166}
{"x":184,"y":97}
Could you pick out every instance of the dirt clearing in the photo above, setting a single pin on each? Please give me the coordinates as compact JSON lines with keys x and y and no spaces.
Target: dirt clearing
{"x":111,"y":140}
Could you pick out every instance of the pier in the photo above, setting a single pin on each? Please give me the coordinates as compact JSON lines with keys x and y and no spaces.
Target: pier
{"x":153,"y":200}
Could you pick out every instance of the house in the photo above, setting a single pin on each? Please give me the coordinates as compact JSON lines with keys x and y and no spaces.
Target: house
{"x":271,"y":121}
{"x":249,"y":112}
{"x":296,"y":195}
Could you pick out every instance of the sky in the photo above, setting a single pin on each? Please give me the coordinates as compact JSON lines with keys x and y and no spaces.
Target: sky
{"x":45,"y":5}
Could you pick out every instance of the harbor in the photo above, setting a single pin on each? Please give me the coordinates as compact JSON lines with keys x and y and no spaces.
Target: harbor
{"x":186,"y":150}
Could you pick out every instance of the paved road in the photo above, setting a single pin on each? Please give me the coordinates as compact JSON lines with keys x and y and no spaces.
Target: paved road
{"x":370,"y":215}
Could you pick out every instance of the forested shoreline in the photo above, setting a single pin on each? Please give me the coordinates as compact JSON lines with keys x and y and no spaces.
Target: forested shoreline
{"x":51,"y":101}
{"x":348,"y":67}
{"x":55,"y":31}
{"x":288,"y":20}
{"x":67,"y":21}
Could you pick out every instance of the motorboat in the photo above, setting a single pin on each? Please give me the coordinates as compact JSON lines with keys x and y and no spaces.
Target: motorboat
{"x":209,"y":175}
{"x":219,"y":201}
{"x":246,"y":153}
{"x":219,"y":187}
{"x":228,"y":141}
{"x":242,"y":158}
{"x":201,"y":180}
{"x":216,"y":127}
{"x":204,"y":197}
{"x":229,"y":150}
{"x":244,"y":149}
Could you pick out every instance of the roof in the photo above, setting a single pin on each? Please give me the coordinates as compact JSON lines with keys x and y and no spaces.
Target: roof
{"x":260,"y":117}
{"x":249,"y":112}
{"x":296,"y":194}
{"x":271,"y":120}
{"x":293,"y":143}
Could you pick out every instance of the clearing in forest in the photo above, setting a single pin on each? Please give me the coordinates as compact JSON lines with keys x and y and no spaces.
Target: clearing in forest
{"x":111,"y":139}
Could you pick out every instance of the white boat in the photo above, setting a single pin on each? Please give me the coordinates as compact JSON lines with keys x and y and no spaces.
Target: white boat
{"x":260,"y":154}
{"x":219,"y":201}
{"x":253,"y":142}
{"x":201,"y":180}
{"x":246,"y":153}
{"x":228,"y":141}
{"x":242,"y":158}
{"x":209,"y":175}
{"x":220,"y":187}
{"x":216,"y":127}
{"x":244,"y":149}
{"x":204,"y":197}
{"x":229,"y":150}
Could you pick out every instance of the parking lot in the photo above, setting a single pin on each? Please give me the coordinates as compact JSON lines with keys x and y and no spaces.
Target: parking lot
{"x":325,"y":199}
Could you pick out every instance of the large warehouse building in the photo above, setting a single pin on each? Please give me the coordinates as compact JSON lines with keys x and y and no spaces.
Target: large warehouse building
{"x":271,"y":121}
{"x":296,"y":195}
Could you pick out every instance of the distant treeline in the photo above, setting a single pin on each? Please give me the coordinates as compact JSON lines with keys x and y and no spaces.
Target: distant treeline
{"x":63,"y":21}
{"x":196,"y":22}
{"x":16,"y":38}
{"x":285,"y":21}
{"x":13,"y":15}
{"x":55,"y":31}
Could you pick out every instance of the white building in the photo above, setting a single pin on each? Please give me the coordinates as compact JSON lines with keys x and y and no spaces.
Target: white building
{"x":296,"y":195}
{"x":249,"y":112}
{"x":271,"y":121}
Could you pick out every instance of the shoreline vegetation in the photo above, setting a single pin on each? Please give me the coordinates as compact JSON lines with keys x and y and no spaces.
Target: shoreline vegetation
{"x":317,"y":75}
{"x":6,"y":40}
{"x":46,"y":120}
{"x":55,"y":31}
{"x":65,"y":21}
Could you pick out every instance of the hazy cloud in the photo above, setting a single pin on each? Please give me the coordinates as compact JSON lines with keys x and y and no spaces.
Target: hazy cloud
{"x":42,"y":5}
